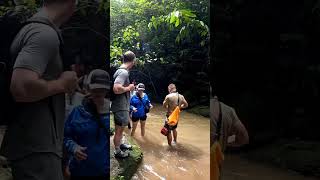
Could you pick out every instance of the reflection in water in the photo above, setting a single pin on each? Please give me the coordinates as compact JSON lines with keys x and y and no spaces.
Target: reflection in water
{"x":188,"y":160}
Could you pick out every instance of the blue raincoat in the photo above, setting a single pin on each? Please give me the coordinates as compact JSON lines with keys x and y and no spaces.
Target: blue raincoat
{"x":136,"y":102}
{"x":81,"y":129}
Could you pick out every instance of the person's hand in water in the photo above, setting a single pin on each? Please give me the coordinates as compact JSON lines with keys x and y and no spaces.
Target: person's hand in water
{"x":80,"y":154}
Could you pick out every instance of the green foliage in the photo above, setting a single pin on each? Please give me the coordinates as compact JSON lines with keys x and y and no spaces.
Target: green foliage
{"x":168,"y":30}
{"x":126,"y":39}
{"x":185,"y":20}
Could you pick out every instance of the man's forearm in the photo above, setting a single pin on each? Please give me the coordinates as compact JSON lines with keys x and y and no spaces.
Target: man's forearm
{"x":35,"y":90}
{"x":184,"y":105}
{"x":119,"y":89}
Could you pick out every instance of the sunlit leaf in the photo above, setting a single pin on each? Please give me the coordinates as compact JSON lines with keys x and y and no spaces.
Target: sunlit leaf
{"x":177,"y":22}
{"x":202,"y":23}
{"x":172,"y":19}
{"x":176,"y":13}
{"x":188,"y":13}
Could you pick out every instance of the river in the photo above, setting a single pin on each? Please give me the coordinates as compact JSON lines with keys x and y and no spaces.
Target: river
{"x":188,"y":160}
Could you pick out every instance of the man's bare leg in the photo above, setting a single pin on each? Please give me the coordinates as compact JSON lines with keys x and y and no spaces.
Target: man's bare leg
{"x":175,"y":134}
{"x":169,"y":138}
{"x":118,"y":137}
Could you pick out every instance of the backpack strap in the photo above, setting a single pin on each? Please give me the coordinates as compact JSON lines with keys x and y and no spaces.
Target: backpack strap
{"x":44,"y":21}
{"x":218,"y":124}
{"x":144,"y":105}
{"x":178,"y":99}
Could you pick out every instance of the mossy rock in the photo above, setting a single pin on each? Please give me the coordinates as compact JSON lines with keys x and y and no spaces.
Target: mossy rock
{"x":124,"y":169}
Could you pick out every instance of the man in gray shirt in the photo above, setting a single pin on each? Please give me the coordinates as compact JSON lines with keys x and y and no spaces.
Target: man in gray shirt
{"x":34,"y":138}
{"x":121,"y":104}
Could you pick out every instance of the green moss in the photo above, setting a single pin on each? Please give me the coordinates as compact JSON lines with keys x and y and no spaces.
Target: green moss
{"x":124,"y":169}
{"x":131,"y":164}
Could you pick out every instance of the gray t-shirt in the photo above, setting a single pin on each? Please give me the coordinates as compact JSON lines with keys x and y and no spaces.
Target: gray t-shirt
{"x":121,"y":102}
{"x":36,"y":47}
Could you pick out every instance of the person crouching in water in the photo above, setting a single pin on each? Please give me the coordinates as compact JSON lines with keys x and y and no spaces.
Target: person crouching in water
{"x":139,"y":105}
{"x":172,"y":100}
{"x":87,"y":136}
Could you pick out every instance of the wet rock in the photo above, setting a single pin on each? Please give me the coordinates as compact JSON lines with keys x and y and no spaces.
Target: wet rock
{"x":124,"y":169}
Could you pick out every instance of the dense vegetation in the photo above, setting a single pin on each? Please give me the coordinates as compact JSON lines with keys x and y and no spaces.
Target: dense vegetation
{"x":171,"y":40}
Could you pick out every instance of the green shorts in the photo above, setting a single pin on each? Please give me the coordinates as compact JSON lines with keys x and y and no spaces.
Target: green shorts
{"x":121,"y":118}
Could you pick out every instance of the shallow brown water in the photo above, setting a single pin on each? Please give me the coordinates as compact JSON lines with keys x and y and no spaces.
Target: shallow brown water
{"x":188,"y":160}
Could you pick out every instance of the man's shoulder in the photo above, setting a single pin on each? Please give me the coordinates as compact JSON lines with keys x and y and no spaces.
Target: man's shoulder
{"x":225,"y":107}
{"x":40,"y":28}
{"x":121,"y":71}
{"x":168,"y":96}
{"x":181,"y":96}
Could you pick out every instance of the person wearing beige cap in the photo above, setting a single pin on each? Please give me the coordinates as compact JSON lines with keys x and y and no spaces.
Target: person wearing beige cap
{"x":87,"y":136}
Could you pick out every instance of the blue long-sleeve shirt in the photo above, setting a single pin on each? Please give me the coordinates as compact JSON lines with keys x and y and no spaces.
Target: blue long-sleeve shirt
{"x":136,"y":102}
{"x":81,"y":129}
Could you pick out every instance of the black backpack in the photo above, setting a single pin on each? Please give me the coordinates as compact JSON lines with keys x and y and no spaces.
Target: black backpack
{"x":10,"y":25}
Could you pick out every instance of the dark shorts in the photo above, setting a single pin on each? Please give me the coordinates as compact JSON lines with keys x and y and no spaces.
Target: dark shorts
{"x":36,"y":166}
{"x":121,"y":118}
{"x":136,"y":119}
{"x":170,"y":128}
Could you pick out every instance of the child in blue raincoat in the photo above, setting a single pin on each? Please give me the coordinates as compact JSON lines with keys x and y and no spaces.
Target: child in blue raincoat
{"x":86,"y":133}
{"x":139,"y":106}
